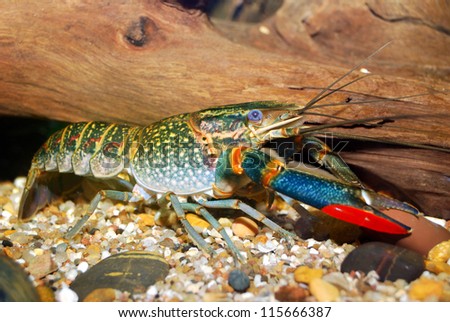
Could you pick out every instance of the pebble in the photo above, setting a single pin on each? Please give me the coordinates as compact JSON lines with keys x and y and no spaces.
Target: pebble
{"x":291,"y":293}
{"x":7,"y":243}
{"x":41,"y":265}
{"x":14,"y":283}
{"x":72,"y":274}
{"x":304,"y":274}
{"x":440,"y":252}
{"x":83,"y":267}
{"x":146,"y":220}
{"x":238,"y":280}
{"x":65,"y":294}
{"x":437,"y":267}
{"x":20,"y":238}
{"x":388,"y":261}
{"x":45,"y":293}
{"x":323,"y":291}
{"x":214,"y":297}
{"x":267,"y":247}
{"x":425,"y":289}
{"x":338,"y":279}
{"x":197,"y":222}
{"x":225,"y":222}
{"x":93,"y":254}
{"x":244,"y":227}
{"x":132,"y":271}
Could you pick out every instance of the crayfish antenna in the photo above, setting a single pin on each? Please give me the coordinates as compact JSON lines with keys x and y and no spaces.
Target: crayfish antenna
{"x":323,"y":93}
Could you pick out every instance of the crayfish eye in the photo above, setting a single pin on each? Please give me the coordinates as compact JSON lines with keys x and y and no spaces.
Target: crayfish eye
{"x":255,"y":116}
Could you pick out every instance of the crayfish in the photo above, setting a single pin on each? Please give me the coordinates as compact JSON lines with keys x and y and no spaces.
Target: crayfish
{"x":204,"y":160}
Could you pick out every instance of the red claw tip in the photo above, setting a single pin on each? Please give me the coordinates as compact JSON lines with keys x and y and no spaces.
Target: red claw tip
{"x":365,"y":219}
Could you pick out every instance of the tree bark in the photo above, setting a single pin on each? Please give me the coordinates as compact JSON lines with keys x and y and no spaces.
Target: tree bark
{"x":139,"y":61}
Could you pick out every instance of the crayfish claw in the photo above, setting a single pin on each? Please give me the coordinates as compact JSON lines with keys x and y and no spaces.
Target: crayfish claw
{"x":371,"y":218}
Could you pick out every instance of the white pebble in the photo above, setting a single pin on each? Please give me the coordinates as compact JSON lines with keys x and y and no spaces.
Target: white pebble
{"x":244,"y":297}
{"x":65,"y":294}
{"x":105,"y":254}
{"x":267,"y":247}
{"x":211,"y":284}
{"x":213,"y":233}
{"x":67,"y":207}
{"x":74,"y":256}
{"x":194,"y":287}
{"x":6,"y":214}
{"x":312,"y":242}
{"x":83,"y":267}
{"x":152,"y":291}
{"x":129,"y":229}
{"x":372,"y":278}
{"x":72,"y":274}
{"x":192,"y":252}
{"x":295,"y":249}
{"x":19,"y":182}
{"x":149,"y":242}
{"x":257,"y":281}
{"x":21,"y":261}
{"x":269,"y":259}
{"x":110,"y":234}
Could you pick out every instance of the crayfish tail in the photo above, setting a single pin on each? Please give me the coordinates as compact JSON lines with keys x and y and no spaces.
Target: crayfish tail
{"x":35,"y":196}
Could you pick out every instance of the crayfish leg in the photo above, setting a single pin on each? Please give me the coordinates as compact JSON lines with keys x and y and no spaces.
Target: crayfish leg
{"x":101,"y":195}
{"x":201,"y":210}
{"x":255,"y":214}
{"x":195,"y":236}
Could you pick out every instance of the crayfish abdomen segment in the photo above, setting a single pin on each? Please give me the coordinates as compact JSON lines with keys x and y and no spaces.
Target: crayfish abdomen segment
{"x":92,"y":149}
{"x":87,"y":149}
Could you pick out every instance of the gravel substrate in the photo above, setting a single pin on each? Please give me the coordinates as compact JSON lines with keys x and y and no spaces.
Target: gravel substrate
{"x":54,"y":262}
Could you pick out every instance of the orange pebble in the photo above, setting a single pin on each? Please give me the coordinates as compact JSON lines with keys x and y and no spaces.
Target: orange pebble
{"x":146,"y":220}
{"x":45,"y":293}
{"x":244,"y":227}
{"x":197,"y":222}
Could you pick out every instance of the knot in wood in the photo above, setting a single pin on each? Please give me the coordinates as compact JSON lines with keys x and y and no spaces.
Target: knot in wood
{"x":140,"y":31}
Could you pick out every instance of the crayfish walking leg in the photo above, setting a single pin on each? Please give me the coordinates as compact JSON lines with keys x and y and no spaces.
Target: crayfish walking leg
{"x":101,"y":195}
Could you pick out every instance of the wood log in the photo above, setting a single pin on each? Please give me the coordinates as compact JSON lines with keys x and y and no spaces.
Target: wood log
{"x":137,"y":62}
{"x":141,"y":61}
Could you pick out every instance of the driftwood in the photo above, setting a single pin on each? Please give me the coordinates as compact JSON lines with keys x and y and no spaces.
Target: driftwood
{"x":140,"y":61}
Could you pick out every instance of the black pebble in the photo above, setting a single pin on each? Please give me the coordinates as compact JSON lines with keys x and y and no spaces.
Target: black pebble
{"x":238,"y":280}
{"x":389,"y":261}
{"x":7,"y":243}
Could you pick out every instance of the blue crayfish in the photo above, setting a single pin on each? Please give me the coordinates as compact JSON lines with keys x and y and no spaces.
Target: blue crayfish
{"x":214,"y":156}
